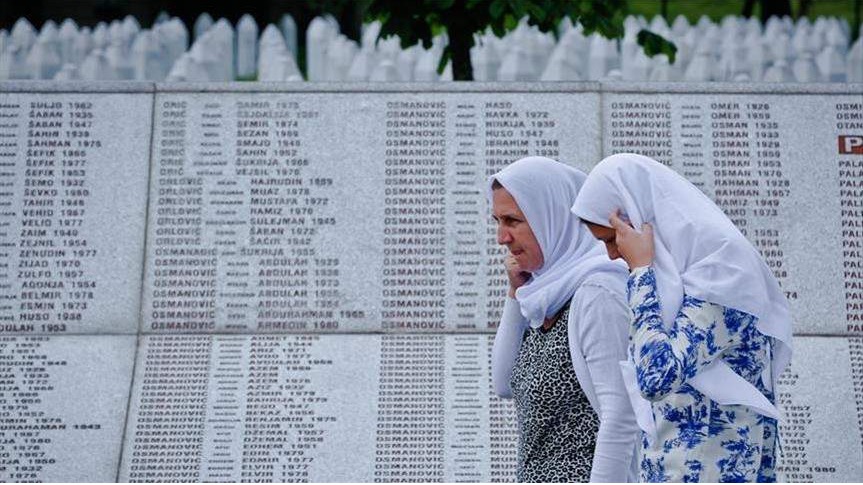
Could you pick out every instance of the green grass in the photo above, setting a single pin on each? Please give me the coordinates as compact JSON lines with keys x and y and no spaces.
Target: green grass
{"x":694,"y":9}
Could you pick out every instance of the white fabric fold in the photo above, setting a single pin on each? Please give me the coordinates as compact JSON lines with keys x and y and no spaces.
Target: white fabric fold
{"x":544,"y":191}
{"x":640,"y":406}
{"x":698,"y":252}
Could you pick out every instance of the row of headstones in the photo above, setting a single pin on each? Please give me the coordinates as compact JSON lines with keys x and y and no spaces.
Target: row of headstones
{"x":737,"y":49}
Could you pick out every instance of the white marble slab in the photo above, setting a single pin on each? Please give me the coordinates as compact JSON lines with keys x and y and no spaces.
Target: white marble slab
{"x":63,"y":406}
{"x":73,"y":200}
{"x":402,"y":407}
{"x":775,"y":164}
{"x":339,"y":212}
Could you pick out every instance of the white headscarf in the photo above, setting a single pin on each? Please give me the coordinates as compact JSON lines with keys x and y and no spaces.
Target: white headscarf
{"x":699,"y":252}
{"x":544,"y":191}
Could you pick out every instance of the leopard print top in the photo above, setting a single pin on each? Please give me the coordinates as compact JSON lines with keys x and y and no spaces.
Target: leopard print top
{"x":557,"y":426}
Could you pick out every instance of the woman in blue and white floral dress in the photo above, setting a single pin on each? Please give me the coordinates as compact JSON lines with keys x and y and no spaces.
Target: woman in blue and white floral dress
{"x":711,"y":329}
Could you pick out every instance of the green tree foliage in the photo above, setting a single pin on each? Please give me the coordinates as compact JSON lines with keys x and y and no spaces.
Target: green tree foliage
{"x":418,"y":20}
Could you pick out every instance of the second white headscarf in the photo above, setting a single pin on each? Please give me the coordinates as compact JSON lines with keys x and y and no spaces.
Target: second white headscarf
{"x":699,"y":252}
{"x":544,"y":191}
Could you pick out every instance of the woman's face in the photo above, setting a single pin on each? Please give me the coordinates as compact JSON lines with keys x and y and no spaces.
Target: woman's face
{"x":608,"y":236}
{"x":514,"y":232}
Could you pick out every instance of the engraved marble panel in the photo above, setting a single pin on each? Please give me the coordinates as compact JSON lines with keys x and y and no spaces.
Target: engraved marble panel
{"x":403,"y":407}
{"x":316,"y":407}
{"x":63,"y":406}
{"x":311,"y":212}
{"x":239,"y":408}
{"x":821,"y":397}
{"x":787,"y":171}
{"x":73,"y":196}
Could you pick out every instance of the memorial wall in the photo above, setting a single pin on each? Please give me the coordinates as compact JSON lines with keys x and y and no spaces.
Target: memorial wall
{"x":250,"y":283}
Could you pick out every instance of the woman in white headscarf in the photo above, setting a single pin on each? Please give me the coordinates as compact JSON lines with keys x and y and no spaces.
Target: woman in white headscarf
{"x":711,"y":329}
{"x":562,"y":333}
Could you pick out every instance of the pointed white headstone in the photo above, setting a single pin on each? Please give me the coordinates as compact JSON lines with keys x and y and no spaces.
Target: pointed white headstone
{"x":837,"y":38}
{"x":854,"y":66}
{"x":289,"y":32}
{"x":800,"y":40}
{"x":701,"y":68}
{"x":704,"y":22}
{"x":364,"y":62}
{"x":629,"y":43}
{"x":631,"y":24}
{"x":658,"y":25}
{"x":603,"y":58}
{"x":779,"y":72}
{"x":120,"y":60}
{"x":661,"y":70}
{"x":426,"y":67}
{"x":446,"y":75}
{"x":628,"y":49}
{"x":290,"y":71}
{"x":69,"y":72}
{"x":174,"y":37}
{"x":757,"y":57}
{"x":66,"y":37}
{"x":44,"y":59}
{"x":270,"y":46}
{"x":149,"y":58}
{"x":680,"y":26}
{"x":49,"y":31}
{"x":317,"y":37}
{"x":340,"y":56}
{"x":247,"y":43}
{"x":277,"y":65}
{"x":832,"y":65}
{"x":130,"y":24}
{"x":23,"y":34}
{"x":178,"y":70}
{"x":100,"y":36}
{"x":738,"y":65}
{"x":534,"y":53}
{"x":804,"y":68}
{"x":223,"y":40}
{"x":561,"y":67}
{"x":162,"y":17}
{"x":485,"y":62}
{"x":370,"y":32}
{"x":270,"y":43}
{"x":564,"y":26}
{"x":97,"y":68}
{"x":613,"y":75}
{"x":385,"y":71}
{"x":81,"y":46}
{"x":406,"y":61}
{"x":202,"y":24}
{"x":13,"y":63}
{"x":516,"y":66}
{"x":116,"y":35}
{"x":389,"y":48}
{"x":639,"y":67}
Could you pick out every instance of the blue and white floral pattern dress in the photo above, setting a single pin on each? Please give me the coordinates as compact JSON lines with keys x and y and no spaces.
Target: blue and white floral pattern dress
{"x":698,"y":440}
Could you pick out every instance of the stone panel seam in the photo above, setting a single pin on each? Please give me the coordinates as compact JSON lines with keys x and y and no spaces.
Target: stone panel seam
{"x":126,"y":422}
{"x":138,"y":337}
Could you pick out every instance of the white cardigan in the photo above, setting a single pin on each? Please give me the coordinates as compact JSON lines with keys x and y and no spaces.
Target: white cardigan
{"x":598,"y":330}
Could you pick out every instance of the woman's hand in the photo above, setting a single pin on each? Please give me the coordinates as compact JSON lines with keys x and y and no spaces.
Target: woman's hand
{"x":635,"y":248}
{"x":516,"y":276}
